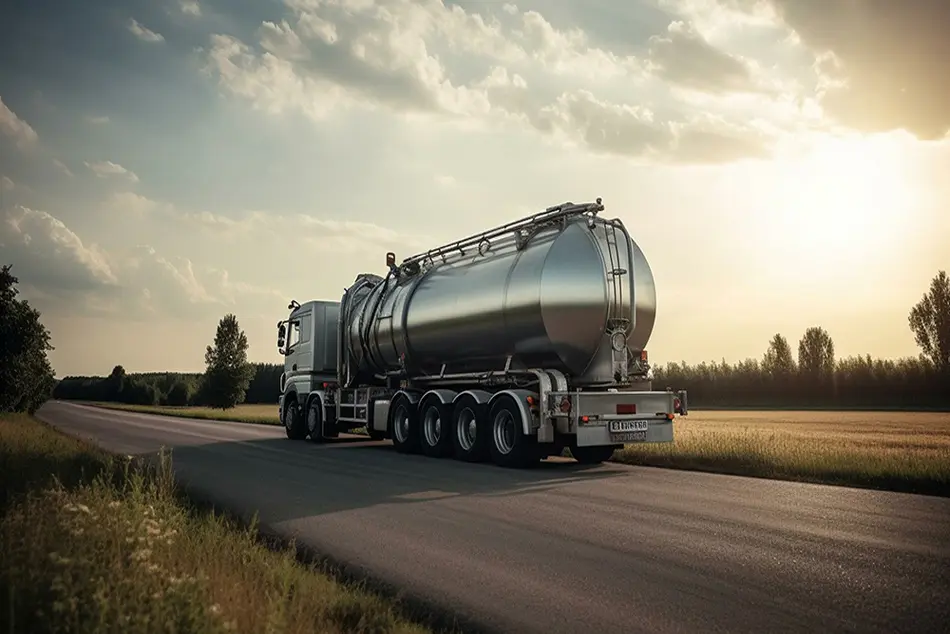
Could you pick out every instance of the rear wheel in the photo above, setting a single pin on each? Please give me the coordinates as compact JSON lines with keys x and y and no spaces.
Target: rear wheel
{"x":435,"y":429}
{"x":404,"y":423}
{"x":593,"y":455}
{"x":510,"y":446}
{"x":470,"y":430}
{"x":294,"y":425}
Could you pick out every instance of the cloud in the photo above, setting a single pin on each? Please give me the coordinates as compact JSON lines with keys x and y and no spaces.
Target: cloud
{"x":358,"y":54}
{"x":272,"y":229}
{"x":143,"y":33}
{"x":49,"y":255}
{"x":883,"y":64}
{"x":684,"y":56}
{"x":190,"y":7}
{"x":7,"y":184}
{"x":98,"y":120}
{"x":57,"y":266}
{"x":104,"y":169}
{"x":15,"y":127}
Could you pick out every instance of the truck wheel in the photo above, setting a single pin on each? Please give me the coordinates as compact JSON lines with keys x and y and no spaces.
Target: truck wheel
{"x":592,"y":455}
{"x":510,"y":446}
{"x":435,"y":433}
{"x":293,"y":423}
{"x":315,"y":420}
{"x":470,"y":430}
{"x":404,"y":423}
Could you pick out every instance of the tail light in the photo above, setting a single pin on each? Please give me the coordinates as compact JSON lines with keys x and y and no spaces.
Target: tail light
{"x":565,"y":405}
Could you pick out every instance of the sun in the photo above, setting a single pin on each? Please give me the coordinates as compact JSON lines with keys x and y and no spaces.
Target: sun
{"x":836,"y":207}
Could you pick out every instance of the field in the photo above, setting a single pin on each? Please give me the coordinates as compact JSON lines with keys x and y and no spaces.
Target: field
{"x":904,"y":451}
{"x":93,"y":542}
{"x":266,"y":413}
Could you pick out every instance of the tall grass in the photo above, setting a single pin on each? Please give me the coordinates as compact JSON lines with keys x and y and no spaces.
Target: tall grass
{"x":96,"y":543}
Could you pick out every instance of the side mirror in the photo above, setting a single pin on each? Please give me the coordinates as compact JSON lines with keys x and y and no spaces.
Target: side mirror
{"x":281,"y":335}
{"x":390,"y":260}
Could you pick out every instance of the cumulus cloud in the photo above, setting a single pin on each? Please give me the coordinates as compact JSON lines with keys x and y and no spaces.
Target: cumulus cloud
{"x":49,"y":255}
{"x":190,"y":7}
{"x":143,"y":33}
{"x":105,"y":169}
{"x":361,"y":54}
{"x":15,"y":127}
{"x":684,"y":56}
{"x":53,"y":262}
{"x":883,"y":64}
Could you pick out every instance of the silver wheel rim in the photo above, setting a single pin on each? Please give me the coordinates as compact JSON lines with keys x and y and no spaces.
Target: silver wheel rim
{"x":432,"y":426}
{"x":466,"y":429}
{"x":503,"y":429}
{"x":401,"y":423}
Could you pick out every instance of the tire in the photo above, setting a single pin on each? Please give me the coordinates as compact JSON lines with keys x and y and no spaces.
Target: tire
{"x":435,"y":428}
{"x":593,"y":455}
{"x":509,"y":446}
{"x":294,"y":424}
{"x":404,"y":425}
{"x":315,"y":420}
{"x":470,"y":430}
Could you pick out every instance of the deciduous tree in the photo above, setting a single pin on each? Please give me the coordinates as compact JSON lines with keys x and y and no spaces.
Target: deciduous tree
{"x":228,"y":373}
{"x":26,"y":377}
{"x":930,"y":322}
{"x":816,"y":352}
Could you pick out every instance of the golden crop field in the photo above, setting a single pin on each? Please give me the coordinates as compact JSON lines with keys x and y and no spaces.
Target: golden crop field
{"x":897,"y":450}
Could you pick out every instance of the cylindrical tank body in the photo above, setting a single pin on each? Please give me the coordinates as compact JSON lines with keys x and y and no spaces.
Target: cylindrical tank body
{"x":551,"y":304}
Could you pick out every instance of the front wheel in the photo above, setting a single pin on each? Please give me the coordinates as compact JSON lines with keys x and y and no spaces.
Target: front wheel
{"x":510,"y":446}
{"x":315,"y":420}
{"x":294,"y":424}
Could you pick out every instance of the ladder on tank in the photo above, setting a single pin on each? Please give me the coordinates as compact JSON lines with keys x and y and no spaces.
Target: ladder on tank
{"x":618,"y":277}
{"x":549,"y":215}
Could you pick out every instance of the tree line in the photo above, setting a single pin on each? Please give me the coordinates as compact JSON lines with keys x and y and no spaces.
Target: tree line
{"x":810,"y":377}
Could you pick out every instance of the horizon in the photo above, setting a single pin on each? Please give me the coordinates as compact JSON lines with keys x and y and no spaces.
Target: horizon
{"x":165,"y":163}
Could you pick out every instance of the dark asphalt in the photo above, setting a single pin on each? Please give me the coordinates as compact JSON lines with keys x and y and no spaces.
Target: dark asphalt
{"x":568,"y":549}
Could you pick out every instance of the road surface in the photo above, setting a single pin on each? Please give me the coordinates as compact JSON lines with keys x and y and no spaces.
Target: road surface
{"x":571,"y":549}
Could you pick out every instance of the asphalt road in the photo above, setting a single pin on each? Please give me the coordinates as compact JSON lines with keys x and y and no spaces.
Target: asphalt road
{"x":568,"y":549}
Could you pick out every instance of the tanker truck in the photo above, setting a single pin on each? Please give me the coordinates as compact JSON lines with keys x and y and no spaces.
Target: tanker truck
{"x":508,"y":346}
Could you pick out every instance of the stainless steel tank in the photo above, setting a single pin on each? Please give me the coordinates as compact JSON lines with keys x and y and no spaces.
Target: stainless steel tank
{"x":553,"y":303}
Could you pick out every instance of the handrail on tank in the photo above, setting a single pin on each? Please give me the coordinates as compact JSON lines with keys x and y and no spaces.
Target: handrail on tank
{"x":563,"y":210}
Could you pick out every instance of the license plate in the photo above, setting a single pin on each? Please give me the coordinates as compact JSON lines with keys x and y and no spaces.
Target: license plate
{"x":629,"y":436}
{"x":623,"y":426}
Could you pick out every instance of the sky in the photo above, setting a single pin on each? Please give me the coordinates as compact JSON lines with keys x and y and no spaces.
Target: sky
{"x":782,"y":163}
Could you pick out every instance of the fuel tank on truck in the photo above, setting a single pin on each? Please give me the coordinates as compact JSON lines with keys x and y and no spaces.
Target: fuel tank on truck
{"x":550,"y":296}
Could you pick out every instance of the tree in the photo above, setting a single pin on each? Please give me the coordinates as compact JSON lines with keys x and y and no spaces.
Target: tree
{"x":778,"y":359}
{"x":816,"y":352}
{"x":228,"y":373}
{"x":26,"y":377}
{"x":929,"y":320}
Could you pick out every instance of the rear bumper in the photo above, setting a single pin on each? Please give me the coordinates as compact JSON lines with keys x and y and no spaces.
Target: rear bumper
{"x":659,"y":430}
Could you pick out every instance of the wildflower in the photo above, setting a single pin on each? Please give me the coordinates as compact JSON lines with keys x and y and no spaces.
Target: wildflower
{"x":141,"y":554}
{"x":114,"y":504}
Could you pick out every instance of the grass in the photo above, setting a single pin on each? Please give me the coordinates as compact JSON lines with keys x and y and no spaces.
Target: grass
{"x":893,"y":450}
{"x":263,"y":413}
{"x":92,"y":542}
{"x":899,"y":451}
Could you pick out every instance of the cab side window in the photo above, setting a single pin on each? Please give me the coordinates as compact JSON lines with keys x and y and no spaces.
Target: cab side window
{"x":293,"y":338}
{"x":304,"y":329}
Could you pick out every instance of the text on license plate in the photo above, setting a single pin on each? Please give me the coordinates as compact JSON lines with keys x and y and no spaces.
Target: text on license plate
{"x":621,"y":426}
